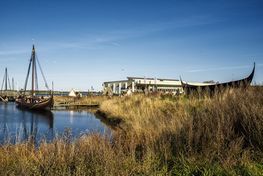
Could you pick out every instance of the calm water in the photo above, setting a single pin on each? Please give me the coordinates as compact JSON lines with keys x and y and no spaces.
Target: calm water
{"x":17,"y":125}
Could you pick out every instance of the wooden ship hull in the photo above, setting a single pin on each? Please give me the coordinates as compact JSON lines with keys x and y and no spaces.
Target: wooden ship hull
{"x":188,"y":87}
{"x":45,"y":104}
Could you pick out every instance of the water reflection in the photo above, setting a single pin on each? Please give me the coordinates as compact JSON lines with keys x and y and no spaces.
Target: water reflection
{"x":29,"y":126}
{"x":5,"y":127}
{"x":17,"y":125}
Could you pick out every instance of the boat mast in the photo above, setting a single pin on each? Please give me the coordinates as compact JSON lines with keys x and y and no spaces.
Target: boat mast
{"x":33,"y":70}
{"x":5,"y":79}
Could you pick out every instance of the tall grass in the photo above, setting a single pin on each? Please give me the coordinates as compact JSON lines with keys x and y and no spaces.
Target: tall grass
{"x":222,"y":128}
{"x":218,"y":135}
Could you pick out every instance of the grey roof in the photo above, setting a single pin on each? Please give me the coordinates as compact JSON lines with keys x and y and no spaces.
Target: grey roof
{"x":116,"y":81}
{"x":132,"y":77}
{"x":152,"y":78}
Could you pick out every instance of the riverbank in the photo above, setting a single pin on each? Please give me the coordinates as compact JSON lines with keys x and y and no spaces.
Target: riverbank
{"x":219,"y":135}
{"x":88,"y":100}
{"x":223,"y":133}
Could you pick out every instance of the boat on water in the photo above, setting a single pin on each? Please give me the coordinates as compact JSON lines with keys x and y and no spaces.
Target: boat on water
{"x":32,"y":101}
{"x":201,"y":87}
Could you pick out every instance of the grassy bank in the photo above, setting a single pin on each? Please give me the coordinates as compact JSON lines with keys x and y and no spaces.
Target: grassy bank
{"x":90,"y":100}
{"x":219,"y":135}
{"x":226,"y":129}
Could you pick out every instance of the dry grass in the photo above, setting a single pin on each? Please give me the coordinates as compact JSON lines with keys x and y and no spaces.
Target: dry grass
{"x":90,"y":100}
{"x":147,"y":114}
{"x":222,"y":128}
{"x":219,"y":135}
{"x":233,"y":114}
{"x":89,"y":155}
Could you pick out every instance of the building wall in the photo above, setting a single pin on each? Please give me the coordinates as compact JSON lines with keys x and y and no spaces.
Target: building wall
{"x":140,"y":84}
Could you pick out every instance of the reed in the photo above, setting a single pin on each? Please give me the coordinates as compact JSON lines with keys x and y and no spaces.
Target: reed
{"x":161,"y":135}
{"x":220,"y":129}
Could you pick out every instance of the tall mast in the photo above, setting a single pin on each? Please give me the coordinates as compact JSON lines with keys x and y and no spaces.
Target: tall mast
{"x":33,"y":70}
{"x":5,"y":78}
{"x":13,"y":84}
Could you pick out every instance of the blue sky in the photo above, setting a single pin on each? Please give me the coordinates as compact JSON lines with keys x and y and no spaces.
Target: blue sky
{"x":84,"y":43}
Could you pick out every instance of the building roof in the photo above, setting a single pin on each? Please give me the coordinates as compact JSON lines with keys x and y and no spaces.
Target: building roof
{"x":132,"y":78}
{"x":165,"y":79}
{"x":115,"y":81}
{"x":72,"y":93}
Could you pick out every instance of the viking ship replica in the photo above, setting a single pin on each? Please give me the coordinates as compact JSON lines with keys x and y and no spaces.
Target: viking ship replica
{"x":212,"y":87}
{"x":34,"y":102}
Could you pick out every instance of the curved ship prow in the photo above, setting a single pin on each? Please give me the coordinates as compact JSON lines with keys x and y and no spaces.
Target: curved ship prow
{"x":190,"y":87}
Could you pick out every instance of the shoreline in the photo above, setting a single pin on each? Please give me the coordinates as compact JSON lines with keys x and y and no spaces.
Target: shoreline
{"x":219,"y":135}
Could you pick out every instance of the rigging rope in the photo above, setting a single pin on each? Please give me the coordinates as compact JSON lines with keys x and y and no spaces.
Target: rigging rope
{"x":3,"y":83}
{"x":8,"y":81}
{"x":28,"y":71}
{"x":36,"y":80}
{"x":46,"y":85}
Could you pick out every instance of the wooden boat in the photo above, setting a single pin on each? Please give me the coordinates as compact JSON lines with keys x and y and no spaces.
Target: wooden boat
{"x":188,"y":87}
{"x":34,"y":102}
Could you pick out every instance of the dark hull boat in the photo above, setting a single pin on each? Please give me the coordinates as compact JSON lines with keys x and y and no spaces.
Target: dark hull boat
{"x":42,"y":104}
{"x":34,"y":102}
{"x":190,"y":88}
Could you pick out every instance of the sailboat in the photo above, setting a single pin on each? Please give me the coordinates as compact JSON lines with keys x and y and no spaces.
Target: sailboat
{"x":34,"y":102}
